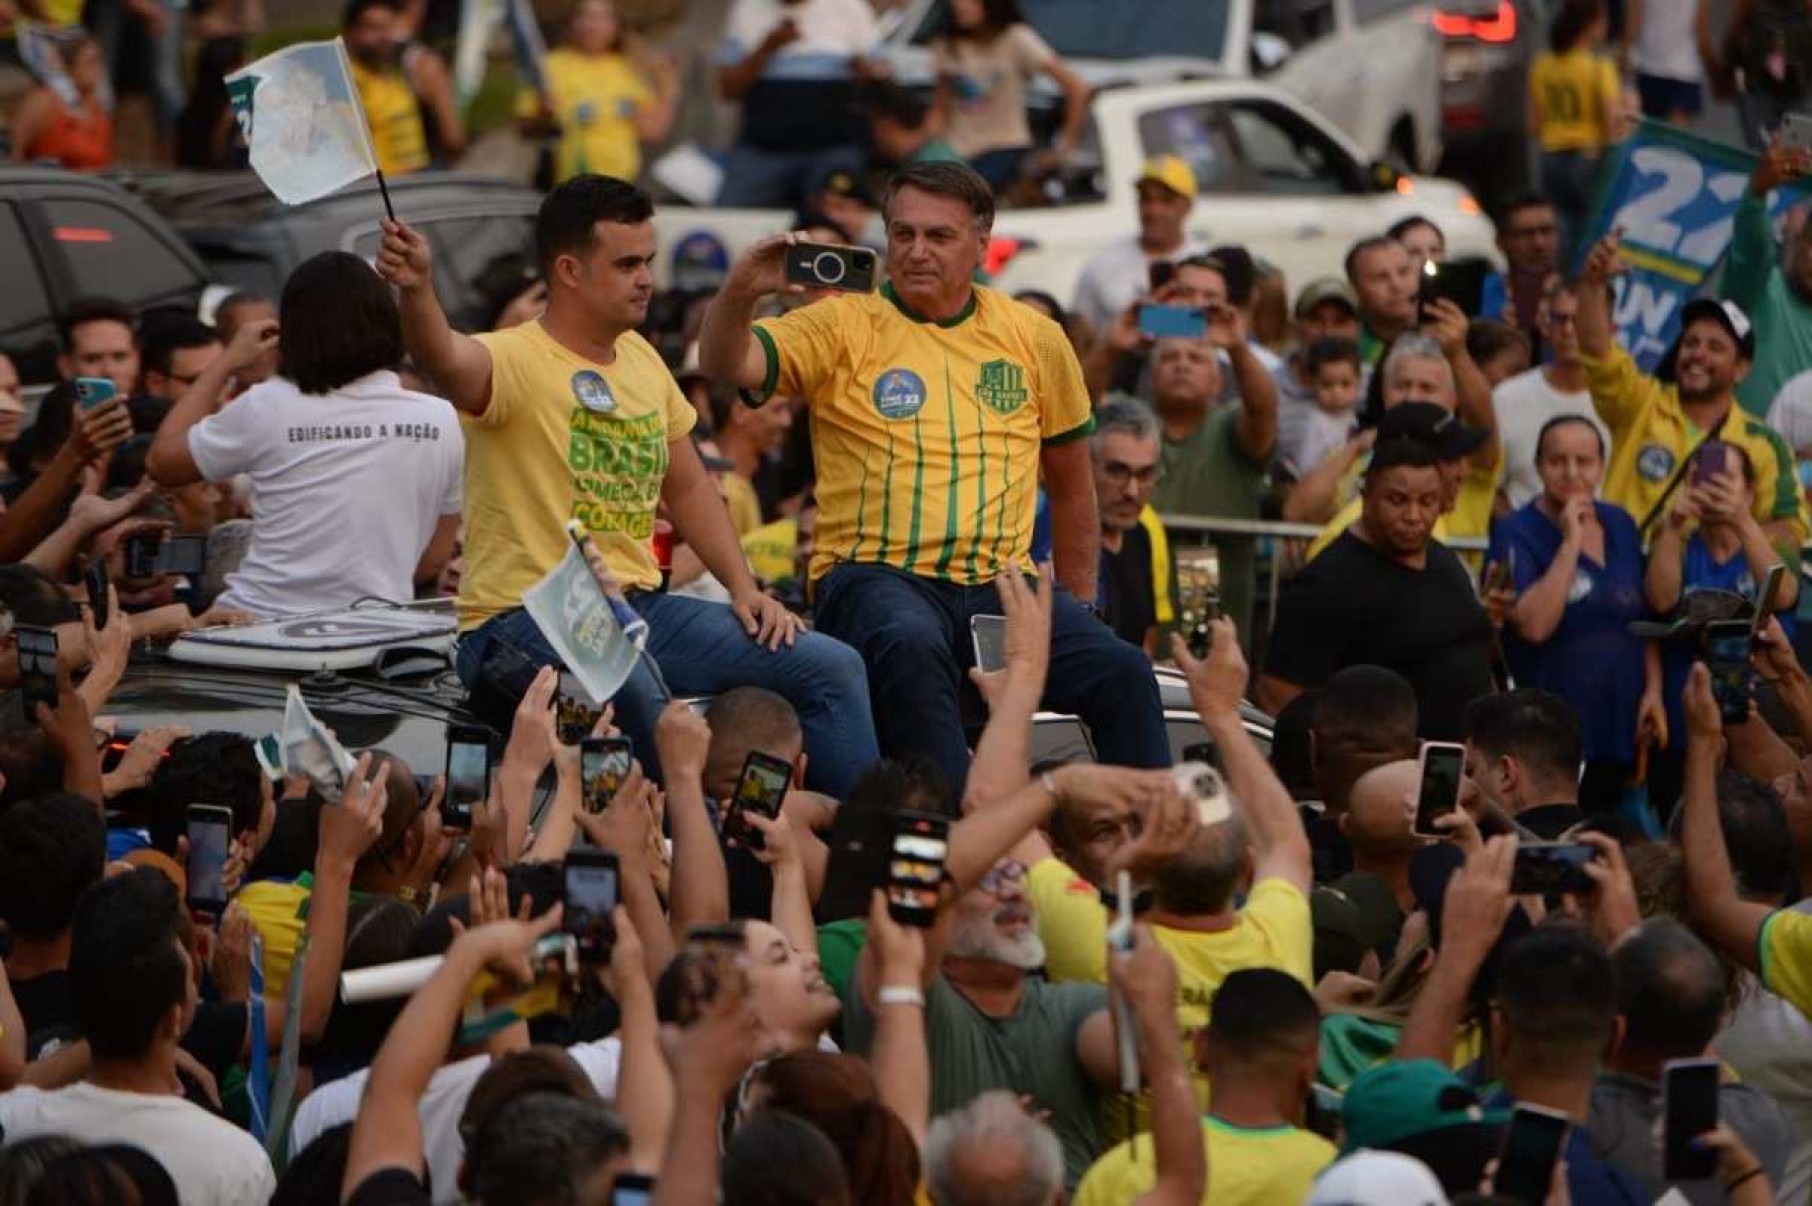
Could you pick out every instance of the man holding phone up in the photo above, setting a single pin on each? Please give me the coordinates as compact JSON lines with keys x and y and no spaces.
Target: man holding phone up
{"x":936,"y":406}
{"x":575,"y":416}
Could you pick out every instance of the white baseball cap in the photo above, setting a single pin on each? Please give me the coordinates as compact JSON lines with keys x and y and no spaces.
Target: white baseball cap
{"x":1375,"y":1178}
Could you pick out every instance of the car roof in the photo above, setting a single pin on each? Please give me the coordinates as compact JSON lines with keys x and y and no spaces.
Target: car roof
{"x":240,"y":198}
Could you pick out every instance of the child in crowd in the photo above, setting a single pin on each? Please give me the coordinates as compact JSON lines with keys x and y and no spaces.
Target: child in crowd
{"x":1334,"y":372}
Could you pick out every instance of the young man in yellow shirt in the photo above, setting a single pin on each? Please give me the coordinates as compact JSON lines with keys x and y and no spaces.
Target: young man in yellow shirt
{"x":936,"y":406}
{"x":575,"y":416}
{"x":405,"y":90}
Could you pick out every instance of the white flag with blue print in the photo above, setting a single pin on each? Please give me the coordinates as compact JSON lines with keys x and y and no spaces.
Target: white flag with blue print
{"x":302,"y":121}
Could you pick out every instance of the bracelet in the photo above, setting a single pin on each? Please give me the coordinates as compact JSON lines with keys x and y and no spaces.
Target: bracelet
{"x":1735,"y":1181}
{"x":901,"y":994}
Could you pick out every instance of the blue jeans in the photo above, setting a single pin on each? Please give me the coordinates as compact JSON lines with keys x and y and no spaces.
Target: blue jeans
{"x":913,"y":634}
{"x":702,"y":649}
{"x":758,"y":179}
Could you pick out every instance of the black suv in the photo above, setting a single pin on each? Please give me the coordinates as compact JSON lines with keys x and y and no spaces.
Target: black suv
{"x":65,"y":236}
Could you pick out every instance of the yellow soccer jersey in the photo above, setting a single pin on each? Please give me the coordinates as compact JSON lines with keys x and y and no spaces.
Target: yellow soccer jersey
{"x":595,"y":99}
{"x":1247,"y":1166}
{"x":564,"y":438}
{"x":1786,"y":951}
{"x":395,"y":117}
{"x":927,"y":434}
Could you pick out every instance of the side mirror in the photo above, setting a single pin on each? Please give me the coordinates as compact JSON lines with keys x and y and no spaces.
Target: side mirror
{"x":1268,"y":51}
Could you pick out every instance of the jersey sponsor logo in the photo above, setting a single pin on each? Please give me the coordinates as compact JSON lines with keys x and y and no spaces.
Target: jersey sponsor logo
{"x":593,"y":392}
{"x":899,"y":393}
{"x":1654,"y":463}
{"x":1001,"y":386}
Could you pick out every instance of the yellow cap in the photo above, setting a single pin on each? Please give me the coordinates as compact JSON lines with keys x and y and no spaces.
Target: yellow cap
{"x":1171,"y":172}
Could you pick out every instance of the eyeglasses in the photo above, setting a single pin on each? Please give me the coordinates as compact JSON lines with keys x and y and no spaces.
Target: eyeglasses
{"x":1120,"y":473}
{"x":1000,"y":875}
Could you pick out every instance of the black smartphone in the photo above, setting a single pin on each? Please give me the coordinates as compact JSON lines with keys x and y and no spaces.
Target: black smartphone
{"x":1550,"y":868}
{"x":762,"y":788}
{"x":210,"y":831}
{"x":1461,"y":282}
{"x":589,"y":893}
{"x":97,"y":582}
{"x":184,"y":555}
{"x":1727,"y":647}
{"x":988,"y":634}
{"x":575,"y":712}
{"x":632,"y":1189}
{"x":1532,"y":1144}
{"x":825,"y":266}
{"x":1443,"y":769}
{"x":141,"y":554}
{"x":37,"y":668}
{"x":604,"y":762}
{"x":1710,"y":459}
{"x":468,"y":773}
{"x":921,"y":842}
{"x":861,"y":845}
{"x":1689,"y":1093}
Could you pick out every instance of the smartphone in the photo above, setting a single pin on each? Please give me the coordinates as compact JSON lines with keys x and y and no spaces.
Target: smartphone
{"x":210,"y":830}
{"x":1160,"y":273}
{"x":184,"y":555}
{"x":1689,"y":1094}
{"x":1551,"y":868}
{"x":1173,"y":322}
{"x":761,"y":789}
{"x":37,"y":668}
{"x":1711,"y":458}
{"x":1532,"y":1144}
{"x":468,"y":773}
{"x":604,"y":762}
{"x":589,"y":894}
{"x":1461,"y":282}
{"x":916,"y":871}
{"x":141,"y":554}
{"x":575,"y":711}
{"x":861,"y":848}
{"x":1796,"y":131}
{"x":989,"y":636}
{"x":1770,"y":587}
{"x":96,"y":581}
{"x":1198,"y":598}
{"x":1727,"y":647}
{"x":1443,"y":769}
{"x":90,"y":392}
{"x":632,"y":1189}
{"x":1495,"y":578}
{"x":825,"y":266}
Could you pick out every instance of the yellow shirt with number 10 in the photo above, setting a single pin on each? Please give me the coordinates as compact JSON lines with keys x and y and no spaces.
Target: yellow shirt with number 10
{"x":927,"y":434}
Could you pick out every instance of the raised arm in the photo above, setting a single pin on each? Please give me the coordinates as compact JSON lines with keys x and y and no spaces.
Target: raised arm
{"x":1475,"y":908}
{"x":1147,"y":979}
{"x":644,"y":1081}
{"x":459,"y":365}
{"x":1471,"y":392}
{"x":1720,"y":914}
{"x":727,"y":348}
{"x":1255,"y":427}
{"x":1003,"y":753}
{"x":700,"y":890}
{"x":170,"y":463}
{"x":33,"y":515}
{"x":1597,"y":335}
{"x":899,"y":1054}
{"x":348,"y":829}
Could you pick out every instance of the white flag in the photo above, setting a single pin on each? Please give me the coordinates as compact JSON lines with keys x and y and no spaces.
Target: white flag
{"x":576,"y":617}
{"x":301,"y":117}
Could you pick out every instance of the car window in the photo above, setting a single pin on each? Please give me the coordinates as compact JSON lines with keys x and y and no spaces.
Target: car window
{"x":1297,"y":22}
{"x":1286,"y":154}
{"x":111,"y":253}
{"x":24,"y":300}
{"x":1124,"y":29}
{"x":1198,"y":134}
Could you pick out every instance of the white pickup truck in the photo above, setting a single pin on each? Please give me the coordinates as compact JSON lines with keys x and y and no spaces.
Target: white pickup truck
{"x":1274,"y":177}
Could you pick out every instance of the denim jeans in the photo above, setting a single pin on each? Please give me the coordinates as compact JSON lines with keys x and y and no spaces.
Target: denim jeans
{"x":758,"y":179}
{"x":702,"y":649}
{"x":913,"y":635}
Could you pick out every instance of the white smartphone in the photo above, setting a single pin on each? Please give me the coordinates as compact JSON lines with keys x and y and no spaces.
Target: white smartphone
{"x":989,"y":633}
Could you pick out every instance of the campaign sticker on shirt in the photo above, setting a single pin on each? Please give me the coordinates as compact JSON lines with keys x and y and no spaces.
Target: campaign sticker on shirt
{"x":899,"y":393}
{"x":593,"y":392}
{"x":1654,"y":463}
{"x":1580,"y":587}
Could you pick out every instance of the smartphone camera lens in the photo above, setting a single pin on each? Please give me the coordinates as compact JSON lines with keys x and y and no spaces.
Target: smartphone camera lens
{"x":829,"y":268}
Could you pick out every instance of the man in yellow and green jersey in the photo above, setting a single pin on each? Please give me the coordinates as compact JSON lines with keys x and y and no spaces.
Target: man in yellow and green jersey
{"x":936,"y":405}
{"x":399,"y":136}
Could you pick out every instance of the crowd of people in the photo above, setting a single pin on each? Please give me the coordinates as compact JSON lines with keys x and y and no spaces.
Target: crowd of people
{"x":872,"y":535}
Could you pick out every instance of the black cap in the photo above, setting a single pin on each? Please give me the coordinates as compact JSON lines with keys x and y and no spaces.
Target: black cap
{"x":1433,"y":426}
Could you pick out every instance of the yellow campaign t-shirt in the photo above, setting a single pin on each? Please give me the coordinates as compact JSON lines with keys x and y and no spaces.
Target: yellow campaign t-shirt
{"x":1071,"y":921}
{"x":395,"y":117}
{"x":595,"y":99}
{"x":1247,"y":1166}
{"x":1651,"y":438}
{"x":564,"y":438}
{"x":1786,"y":955}
{"x":927,"y":434}
{"x":279,"y":912}
{"x":1571,"y":93}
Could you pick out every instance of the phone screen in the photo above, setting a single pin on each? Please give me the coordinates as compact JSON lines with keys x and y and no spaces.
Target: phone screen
{"x":1173,"y":322}
{"x":183,"y":555}
{"x":1543,"y":869}
{"x":1443,"y":767}
{"x":590,"y":894}
{"x":96,"y":581}
{"x":1525,"y":1170}
{"x":141,"y":554}
{"x":1710,"y":459}
{"x":468,"y":777}
{"x":604,"y":762}
{"x":90,"y":392}
{"x":915,"y":871}
{"x":37,"y":667}
{"x":761,"y":789}
{"x":1690,"y":1094}
{"x":989,"y":633}
{"x":632,"y":1189}
{"x":1727,"y":649}
{"x":210,"y":836}
{"x":574,"y":710}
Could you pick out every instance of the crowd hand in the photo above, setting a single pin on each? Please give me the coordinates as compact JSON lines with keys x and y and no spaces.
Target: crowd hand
{"x":761,"y":270}
{"x":435,"y":845}
{"x":221,"y":617}
{"x":1123,"y":334}
{"x":1217,"y":682}
{"x":1444,"y":320}
{"x":1499,"y":604}
{"x":1604,"y":261}
{"x":99,"y":430}
{"x":625,"y":971}
{"x":899,"y":949}
{"x":1780,"y":164}
{"x":1735,"y":1160}
{"x":780,"y":845}
{"x":1773,"y":654}
{"x":1226,"y":329}
{"x":504,"y":946}
{"x":1611,"y":907}
{"x":1687,"y":509}
{"x":488,"y":900}
{"x":623,"y":827}
{"x":784,"y":33}
{"x":68,"y":726}
{"x":1478,"y":898}
{"x":1171,"y":823}
{"x":683,"y":740}
{"x":534,"y":735}
{"x":1090,"y":784}
{"x":93,"y":512}
{"x":1721,"y":497}
{"x":766,"y":619}
{"x":1576,"y":515}
{"x":1340,"y":991}
{"x":1703,"y":723}
{"x":404,"y":258}
{"x":354,"y":825}
{"x":143,"y":757}
{"x":1458,"y":826}
{"x":489,"y":837}
{"x":251,"y":342}
{"x":1145,"y":977}
{"x":1027,"y":641}
{"x":109,"y":648}
{"x":231,"y":964}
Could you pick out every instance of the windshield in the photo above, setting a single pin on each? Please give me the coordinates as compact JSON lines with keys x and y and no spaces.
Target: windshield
{"x":1117,"y":29}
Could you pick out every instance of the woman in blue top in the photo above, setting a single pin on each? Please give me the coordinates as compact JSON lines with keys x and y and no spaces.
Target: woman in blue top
{"x":1576,"y":564}
{"x":1728,"y":549}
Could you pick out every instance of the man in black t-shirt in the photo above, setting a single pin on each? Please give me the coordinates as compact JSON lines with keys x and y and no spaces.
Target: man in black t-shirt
{"x":52,"y":849}
{"x":1137,"y":582}
{"x":1387,"y":594}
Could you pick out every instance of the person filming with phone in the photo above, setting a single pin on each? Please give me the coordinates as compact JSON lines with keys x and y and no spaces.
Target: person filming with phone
{"x":936,"y":406}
